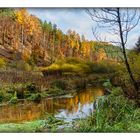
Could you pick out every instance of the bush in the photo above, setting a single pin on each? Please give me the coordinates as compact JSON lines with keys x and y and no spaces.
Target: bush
{"x":134,"y":61}
{"x":19,"y":91}
{"x":2,"y":63}
{"x":1,"y":96}
{"x":14,"y":99}
{"x":103,"y":67}
{"x":6,"y":94}
{"x":31,"y":87}
{"x":55,"y":91}
{"x":70,"y":65}
{"x":22,"y":65}
{"x":61,"y":84}
{"x":3,"y":93}
{"x":73,"y":65}
{"x":72,"y":60}
{"x":80,"y":84}
{"x":35,"y":97}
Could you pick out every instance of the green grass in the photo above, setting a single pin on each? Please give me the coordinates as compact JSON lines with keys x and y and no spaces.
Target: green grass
{"x":33,"y":126}
{"x":46,"y":125}
{"x":114,"y":113}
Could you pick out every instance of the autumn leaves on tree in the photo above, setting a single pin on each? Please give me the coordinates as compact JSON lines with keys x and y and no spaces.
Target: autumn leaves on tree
{"x":42,"y":42}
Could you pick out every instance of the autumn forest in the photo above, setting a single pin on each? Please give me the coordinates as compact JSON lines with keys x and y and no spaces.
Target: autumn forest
{"x":52,"y":81}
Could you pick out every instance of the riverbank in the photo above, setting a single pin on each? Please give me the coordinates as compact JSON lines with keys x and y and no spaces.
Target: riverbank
{"x":52,"y":87}
{"x":50,"y":115}
{"x":63,"y":77}
{"x":114,"y":113}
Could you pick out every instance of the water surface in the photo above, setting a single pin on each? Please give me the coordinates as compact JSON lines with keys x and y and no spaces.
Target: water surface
{"x":66,"y":107}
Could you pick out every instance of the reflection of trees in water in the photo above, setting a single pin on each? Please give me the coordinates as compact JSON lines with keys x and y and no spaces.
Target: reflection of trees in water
{"x":85,"y":97}
{"x":19,"y":113}
{"x":30,"y":111}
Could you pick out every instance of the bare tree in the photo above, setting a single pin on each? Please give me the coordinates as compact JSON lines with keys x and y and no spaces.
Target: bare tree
{"x":119,"y":22}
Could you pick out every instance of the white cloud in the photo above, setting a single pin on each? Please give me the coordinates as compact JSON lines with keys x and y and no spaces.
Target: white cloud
{"x":132,"y":40}
{"x":67,"y":19}
{"x":78,"y":20}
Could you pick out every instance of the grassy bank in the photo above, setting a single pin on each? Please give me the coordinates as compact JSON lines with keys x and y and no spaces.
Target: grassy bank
{"x":47,"y":125}
{"x":114,"y":113}
{"x":33,"y":126}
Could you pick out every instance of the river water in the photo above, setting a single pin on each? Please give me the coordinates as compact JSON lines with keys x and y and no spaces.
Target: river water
{"x":67,"y":107}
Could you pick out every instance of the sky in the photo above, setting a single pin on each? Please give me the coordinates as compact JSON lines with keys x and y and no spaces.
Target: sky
{"x":78,"y":20}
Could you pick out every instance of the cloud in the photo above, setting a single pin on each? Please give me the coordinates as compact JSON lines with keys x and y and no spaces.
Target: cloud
{"x":132,"y":40}
{"x":65,"y":19}
{"x":78,"y":20}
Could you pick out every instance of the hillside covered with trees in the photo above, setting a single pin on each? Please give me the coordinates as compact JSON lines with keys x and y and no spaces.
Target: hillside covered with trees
{"x":25,"y":37}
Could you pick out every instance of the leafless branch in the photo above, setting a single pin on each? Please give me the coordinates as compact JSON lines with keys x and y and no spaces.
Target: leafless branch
{"x":121,"y":22}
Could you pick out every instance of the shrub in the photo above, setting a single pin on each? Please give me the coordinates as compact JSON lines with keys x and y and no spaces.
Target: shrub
{"x":27,"y":67}
{"x":14,"y":99}
{"x":61,"y":84}
{"x":74,"y":65}
{"x":35,"y":97}
{"x":54,"y":67}
{"x":1,"y":96}
{"x":107,"y":84}
{"x":2,"y":63}
{"x":72,"y":60}
{"x":31,"y":87}
{"x":19,"y":89}
{"x":22,"y":65}
{"x":27,"y":94}
{"x":71,"y":65}
{"x":103,"y":67}
{"x":6,"y":93}
{"x":55,"y":91}
{"x":80,"y":84}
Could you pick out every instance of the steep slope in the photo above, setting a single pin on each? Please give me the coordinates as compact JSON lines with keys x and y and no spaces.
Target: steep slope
{"x":25,"y":37}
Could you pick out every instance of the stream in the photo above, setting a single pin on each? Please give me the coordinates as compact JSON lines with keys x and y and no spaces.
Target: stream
{"x":66,"y":107}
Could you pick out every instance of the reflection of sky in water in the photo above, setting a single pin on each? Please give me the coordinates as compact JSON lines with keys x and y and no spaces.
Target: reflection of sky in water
{"x":67,"y":107}
{"x":83,"y":111}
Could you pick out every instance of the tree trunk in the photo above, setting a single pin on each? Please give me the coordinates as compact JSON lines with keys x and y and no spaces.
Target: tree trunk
{"x":124,"y":53}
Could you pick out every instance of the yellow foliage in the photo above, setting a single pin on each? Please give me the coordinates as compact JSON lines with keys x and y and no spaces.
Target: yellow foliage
{"x":2,"y":63}
{"x":30,"y":23}
{"x":25,"y":55}
{"x":86,"y":49}
{"x":21,"y":16}
{"x":101,"y":54}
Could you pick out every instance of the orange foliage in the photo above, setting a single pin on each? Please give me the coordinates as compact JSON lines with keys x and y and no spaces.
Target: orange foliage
{"x":30,"y":23}
{"x":101,"y":54}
